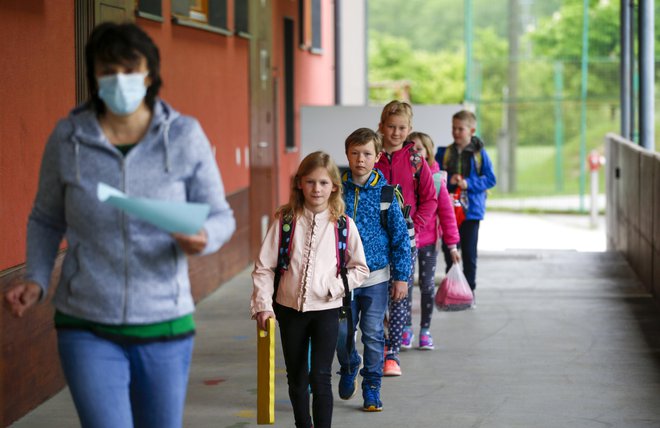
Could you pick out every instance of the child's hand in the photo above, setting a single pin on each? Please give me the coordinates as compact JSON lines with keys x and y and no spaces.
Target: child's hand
{"x":463,"y":184}
{"x":399,"y":290}
{"x":455,"y":179}
{"x":262,"y":317}
{"x":455,"y":256}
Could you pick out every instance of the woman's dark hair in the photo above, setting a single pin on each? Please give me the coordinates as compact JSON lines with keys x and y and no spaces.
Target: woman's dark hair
{"x":113,"y":43}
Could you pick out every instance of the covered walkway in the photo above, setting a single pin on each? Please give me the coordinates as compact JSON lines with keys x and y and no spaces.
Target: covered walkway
{"x":560,"y":338}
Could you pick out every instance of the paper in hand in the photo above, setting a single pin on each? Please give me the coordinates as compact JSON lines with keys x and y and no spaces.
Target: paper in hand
{"x":174,"y":217}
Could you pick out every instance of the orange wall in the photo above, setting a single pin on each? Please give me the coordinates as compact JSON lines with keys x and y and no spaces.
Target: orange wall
{"x":37,"y":87}
{"x":314,"y":80}
{"x":206,"y":75}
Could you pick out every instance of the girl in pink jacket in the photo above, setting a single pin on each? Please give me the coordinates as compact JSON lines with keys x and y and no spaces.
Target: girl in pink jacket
{"x":401,"y":164}
{"x":443,"y":228}
{"x":310,"y":291}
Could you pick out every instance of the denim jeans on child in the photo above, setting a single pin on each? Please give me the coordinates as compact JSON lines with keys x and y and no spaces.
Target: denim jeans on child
{"x":100,"y":373}
{"x":368,"y":308}
{"x":297,"y":331}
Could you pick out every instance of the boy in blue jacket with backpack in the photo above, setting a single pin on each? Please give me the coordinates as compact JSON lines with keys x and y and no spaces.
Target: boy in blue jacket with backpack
{"x":371,"y":203}
{"x":470,"y":172}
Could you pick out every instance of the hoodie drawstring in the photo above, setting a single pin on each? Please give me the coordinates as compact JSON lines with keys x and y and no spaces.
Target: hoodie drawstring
{"x":166,"y":136}
{"x":76,"y":149}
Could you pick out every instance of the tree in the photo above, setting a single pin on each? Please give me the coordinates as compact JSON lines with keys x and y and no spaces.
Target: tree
{"x":435,"y":78}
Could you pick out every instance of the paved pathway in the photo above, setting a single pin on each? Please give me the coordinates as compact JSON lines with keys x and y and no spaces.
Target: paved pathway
{"x":560,"y":338}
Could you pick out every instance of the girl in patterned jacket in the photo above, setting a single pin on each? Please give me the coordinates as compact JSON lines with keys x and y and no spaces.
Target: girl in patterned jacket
{"x":310,"y":292}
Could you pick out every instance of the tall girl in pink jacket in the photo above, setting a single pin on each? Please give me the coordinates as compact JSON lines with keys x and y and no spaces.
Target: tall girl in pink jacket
{"x":443,"y":228}
{"x":401,"y":164}
{"x":310,"y":292}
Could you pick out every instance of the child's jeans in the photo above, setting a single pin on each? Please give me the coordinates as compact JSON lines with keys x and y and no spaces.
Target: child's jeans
{"x":368,"y":308}
{"x":297,"y":329}
{"x":125,"y":385}
{"x":399,"y":311}
{"x":469,"y":232}
{"x":427,"y":260}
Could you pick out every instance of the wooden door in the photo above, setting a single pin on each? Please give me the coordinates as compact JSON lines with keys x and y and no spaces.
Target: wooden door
{"x":263,"y":140}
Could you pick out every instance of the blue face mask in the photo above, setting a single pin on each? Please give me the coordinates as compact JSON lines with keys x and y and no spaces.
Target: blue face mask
{"x":122,"y":93}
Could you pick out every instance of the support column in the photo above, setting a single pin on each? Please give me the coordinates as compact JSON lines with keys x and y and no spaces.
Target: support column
{"x":626,"y":100}
{"x":646,"y":74}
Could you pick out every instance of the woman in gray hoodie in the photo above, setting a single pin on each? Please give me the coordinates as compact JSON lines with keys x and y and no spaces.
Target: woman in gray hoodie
{"x":123,"y":303}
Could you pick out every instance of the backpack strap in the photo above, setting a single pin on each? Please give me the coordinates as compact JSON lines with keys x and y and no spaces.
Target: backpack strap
{"x":388,"y":194}
{"x":478,"y":160}
{"x":416,"y":161}
{"x":386,"y":199}
{"x":341,"y":236}
{"x":287,"y":226}
{"x":405,"y":210}
{"x":445,"y":158}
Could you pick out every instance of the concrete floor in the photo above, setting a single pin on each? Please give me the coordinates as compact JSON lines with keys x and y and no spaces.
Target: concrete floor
{"x":560,"y":338}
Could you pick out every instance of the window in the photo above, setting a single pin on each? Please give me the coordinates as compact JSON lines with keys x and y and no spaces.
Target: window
{"x":150,"y":9}
{"x":210,"y":15}
{"x":241,"y":17}
{"x":289,"y":84}
{"x":316,"y":26}
{"x":309,"y":21}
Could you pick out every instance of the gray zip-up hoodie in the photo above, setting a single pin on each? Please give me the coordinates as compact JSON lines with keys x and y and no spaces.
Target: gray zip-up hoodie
{"x":119,"y":269}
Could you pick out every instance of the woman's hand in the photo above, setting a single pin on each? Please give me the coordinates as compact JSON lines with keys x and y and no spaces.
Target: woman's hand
{"x":22,"y":297}
{"x":262,"y":317}
{"x":399,"y":290}
{"x":191,"y":244}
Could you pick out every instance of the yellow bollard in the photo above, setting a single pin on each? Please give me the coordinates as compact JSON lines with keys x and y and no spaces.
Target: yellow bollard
{"x":266,"y":374}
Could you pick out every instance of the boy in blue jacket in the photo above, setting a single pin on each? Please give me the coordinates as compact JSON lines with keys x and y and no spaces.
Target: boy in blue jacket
{"x":387,"y":249}
{"x":469,"y":169}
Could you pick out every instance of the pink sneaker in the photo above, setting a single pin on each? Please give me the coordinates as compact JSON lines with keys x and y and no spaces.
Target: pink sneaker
{"x":426,"y":341}
{"x":407,"y":338}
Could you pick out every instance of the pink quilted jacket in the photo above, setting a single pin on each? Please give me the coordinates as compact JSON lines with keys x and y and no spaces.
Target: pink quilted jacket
{"x":445,"y":226}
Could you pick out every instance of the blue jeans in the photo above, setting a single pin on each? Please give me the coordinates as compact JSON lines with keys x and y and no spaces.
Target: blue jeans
{"x":368,"y":307}
{"x":125,"y":385}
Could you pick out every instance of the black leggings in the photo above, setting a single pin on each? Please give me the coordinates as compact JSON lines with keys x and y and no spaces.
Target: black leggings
{"x":297,"y":330}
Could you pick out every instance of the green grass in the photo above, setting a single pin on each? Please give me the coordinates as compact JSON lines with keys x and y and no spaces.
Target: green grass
{"x":536,"y":171}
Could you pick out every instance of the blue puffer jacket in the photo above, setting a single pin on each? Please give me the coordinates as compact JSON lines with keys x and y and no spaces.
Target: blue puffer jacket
{"x":381,"y":247}
{"x":119,"y":269}
{"x":478,"y":182}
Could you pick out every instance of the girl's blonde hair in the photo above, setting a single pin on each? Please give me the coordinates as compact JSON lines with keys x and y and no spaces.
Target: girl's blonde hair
{"x":396,"y":108}
{"x":427,"y":142}
{"x":312,"y":162}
